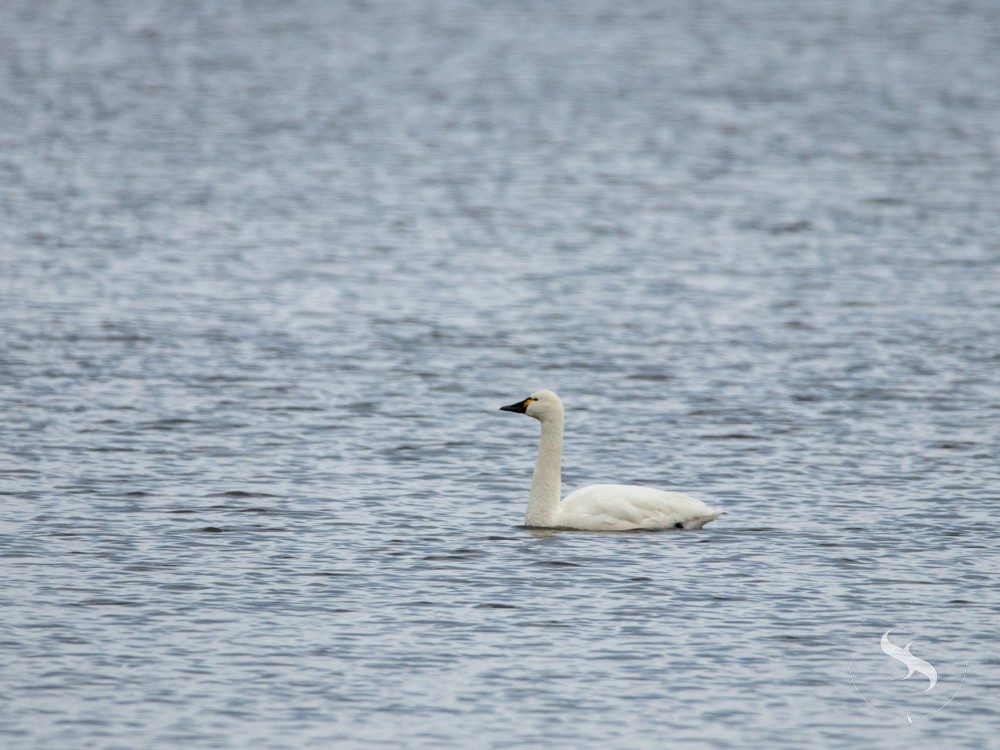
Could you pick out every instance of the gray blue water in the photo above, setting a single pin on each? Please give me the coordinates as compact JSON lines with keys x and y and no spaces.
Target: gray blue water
{"x":267,"y":271}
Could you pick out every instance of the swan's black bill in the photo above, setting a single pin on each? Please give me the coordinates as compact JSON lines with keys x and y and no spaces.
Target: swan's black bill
{"x":520,"y":407}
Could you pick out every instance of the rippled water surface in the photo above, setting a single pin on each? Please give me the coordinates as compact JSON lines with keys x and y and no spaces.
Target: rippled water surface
{"x":268,"y":270}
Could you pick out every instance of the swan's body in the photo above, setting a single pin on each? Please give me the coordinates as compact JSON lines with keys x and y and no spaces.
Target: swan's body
{"x":597,"y":507}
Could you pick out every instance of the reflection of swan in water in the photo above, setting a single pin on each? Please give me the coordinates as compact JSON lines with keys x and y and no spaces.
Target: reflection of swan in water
{"x":597,"y":507}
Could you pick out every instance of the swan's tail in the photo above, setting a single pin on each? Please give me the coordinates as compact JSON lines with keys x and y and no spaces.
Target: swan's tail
{"x":699,"y":521}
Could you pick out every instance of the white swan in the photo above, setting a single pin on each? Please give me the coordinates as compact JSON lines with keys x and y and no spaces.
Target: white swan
{"x":597,"y":507}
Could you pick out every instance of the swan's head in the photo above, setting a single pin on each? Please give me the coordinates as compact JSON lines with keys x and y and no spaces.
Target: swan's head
{"x":541,"y":405}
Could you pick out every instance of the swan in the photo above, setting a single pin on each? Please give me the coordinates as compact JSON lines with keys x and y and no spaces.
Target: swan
{"x":596,"y":507}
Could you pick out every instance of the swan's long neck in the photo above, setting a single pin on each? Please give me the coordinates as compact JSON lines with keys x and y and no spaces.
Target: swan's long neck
{"x":546,"y":482}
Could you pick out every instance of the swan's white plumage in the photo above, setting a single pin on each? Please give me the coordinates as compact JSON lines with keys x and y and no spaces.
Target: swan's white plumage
{"x":597,"y":507}
{"x":619,"y":507}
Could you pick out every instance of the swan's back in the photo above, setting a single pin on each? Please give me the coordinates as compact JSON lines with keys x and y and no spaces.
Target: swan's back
{"x":620,"y":507}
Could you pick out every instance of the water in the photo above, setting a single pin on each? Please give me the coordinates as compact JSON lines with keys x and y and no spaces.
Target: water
{"x":268,"y":271}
